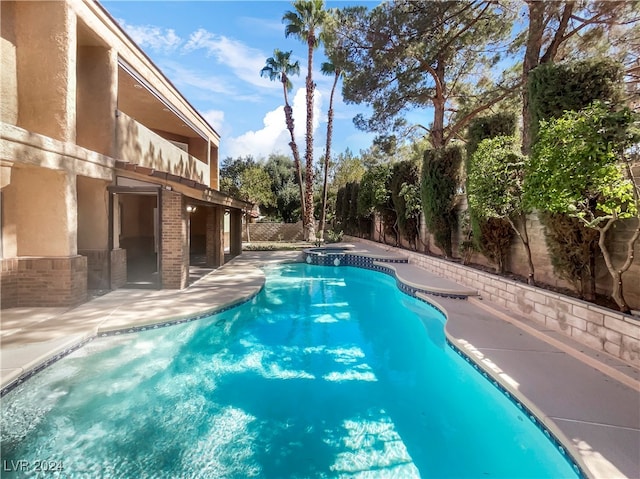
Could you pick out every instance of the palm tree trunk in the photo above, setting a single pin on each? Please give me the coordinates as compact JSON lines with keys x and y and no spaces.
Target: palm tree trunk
{"x":288,"y":114}
{"x":309,"y":227}
{"x":327,"y":156}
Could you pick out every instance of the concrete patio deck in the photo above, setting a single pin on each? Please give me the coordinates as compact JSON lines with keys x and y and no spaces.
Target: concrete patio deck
{"x":590,"y":400}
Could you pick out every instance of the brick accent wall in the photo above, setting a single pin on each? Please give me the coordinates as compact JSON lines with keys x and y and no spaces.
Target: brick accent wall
{"x":118,"y":268}
{"x":174,"y":262}
{"x":600,"y":328}
{"x":44,"y":281}
{"x":214,"y":236}
{"x":9,"y":283}
{"x":274,"y":232}
{"x":97,"y":268}
{"x":236,"y":231}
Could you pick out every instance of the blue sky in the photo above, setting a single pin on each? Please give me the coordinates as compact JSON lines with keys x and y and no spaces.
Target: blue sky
{"x":213,"y":52}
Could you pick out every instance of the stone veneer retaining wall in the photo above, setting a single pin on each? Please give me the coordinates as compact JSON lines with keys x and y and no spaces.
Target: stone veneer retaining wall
{"x":44,"y":281}
{"x":600,"y":328}
{"x":274,"y":232}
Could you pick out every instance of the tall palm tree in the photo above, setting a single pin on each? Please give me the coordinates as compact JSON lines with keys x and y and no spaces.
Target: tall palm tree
{"x":305,"y":22}
{"x":328,"y":68}
{"x":279,"y":67}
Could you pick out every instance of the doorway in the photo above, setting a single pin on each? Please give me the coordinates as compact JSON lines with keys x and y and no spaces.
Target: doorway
{"x":136,"y":229}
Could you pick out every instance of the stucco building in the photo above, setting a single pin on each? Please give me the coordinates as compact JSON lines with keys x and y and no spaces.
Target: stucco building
{"x":103,"y":162}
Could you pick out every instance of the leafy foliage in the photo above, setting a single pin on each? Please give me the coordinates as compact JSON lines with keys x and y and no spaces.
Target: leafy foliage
{"x":347,"y":214}
{"x":231,"y":174}
{"x":284,"y":185}
{"x":271,"y":184}
{"x":494,"y":192}
{"x":407,"y":54}
{"x":480,"y":128}
{"x":405,"y":196}
{"x":556,"y":88}
{"x":495,"y":179}
{"x":571,"y":246}
{"x":492,"y":237}
{"x":255,"y":186}
{"x":440,"y":178}
{"x":374,"y":192}
{"x":589,"y":144}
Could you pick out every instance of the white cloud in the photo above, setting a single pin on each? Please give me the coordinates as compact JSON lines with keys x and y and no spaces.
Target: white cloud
{"x":182,"y":76}
{"x":156,"y":38}
{"x":215,"y":118}
{"x":261,"y":24}
{"x":274,"y":137}
{"x":244,"y":61}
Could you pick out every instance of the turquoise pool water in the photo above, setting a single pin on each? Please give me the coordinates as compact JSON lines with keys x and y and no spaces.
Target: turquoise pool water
{"x":328,"y":372}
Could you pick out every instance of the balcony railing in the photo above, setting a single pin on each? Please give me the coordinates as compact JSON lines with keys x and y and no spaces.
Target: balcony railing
{"x":137,"y":144}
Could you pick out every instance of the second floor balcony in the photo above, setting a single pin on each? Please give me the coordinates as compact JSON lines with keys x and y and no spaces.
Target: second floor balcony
{"x":138,"y":145}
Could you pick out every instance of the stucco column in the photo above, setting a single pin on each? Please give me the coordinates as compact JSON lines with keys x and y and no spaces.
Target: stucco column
{"x":97,"y":80}
{"x":235,"y":233}
{"x":40,"y":213}
{"x":46,"y":39}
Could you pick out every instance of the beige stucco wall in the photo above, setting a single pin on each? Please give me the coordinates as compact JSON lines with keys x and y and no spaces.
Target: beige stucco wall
{"x":46,"y":64}
{"x":39,"y":213}
{"x":8,"y":75}
{"x":139,"y":145}
{"x":96,"y":98}
{"x":28,"y":148}
{"x":214,"y":175}
{"x":93,"y":213}
{"x":95,"y":19}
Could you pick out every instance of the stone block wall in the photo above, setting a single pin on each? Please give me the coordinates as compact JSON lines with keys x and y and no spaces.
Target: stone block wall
{"x":600,"y":328}
{"x":274,"y":232}
{"x":544,"y":273}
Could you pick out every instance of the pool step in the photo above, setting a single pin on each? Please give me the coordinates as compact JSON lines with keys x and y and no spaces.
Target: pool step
{"x":417,"y":280}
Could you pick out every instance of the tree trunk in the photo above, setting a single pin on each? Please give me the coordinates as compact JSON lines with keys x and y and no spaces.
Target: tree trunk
{"x":439,"y":103}
{"x":309,"y":227}
{"x":616,"y":273}
{"x":524,"y":237}
{"x":589,"y":276}
{"x":288,"y":113}
{"x":531,"y":59}
{"x":327,"y":156}
{"x":288,"y":116}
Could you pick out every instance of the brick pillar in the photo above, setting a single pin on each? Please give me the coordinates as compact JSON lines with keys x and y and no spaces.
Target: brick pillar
{"x":235,"y":235}
{"x":215,"y":238}
{"x":175,"y":241}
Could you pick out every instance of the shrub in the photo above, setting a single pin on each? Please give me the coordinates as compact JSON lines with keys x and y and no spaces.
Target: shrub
{"x":405,"y":197}
{"x":440,"y":179}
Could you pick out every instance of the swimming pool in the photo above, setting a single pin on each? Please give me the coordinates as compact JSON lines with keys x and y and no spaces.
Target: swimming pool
{"x":328,"y":372}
